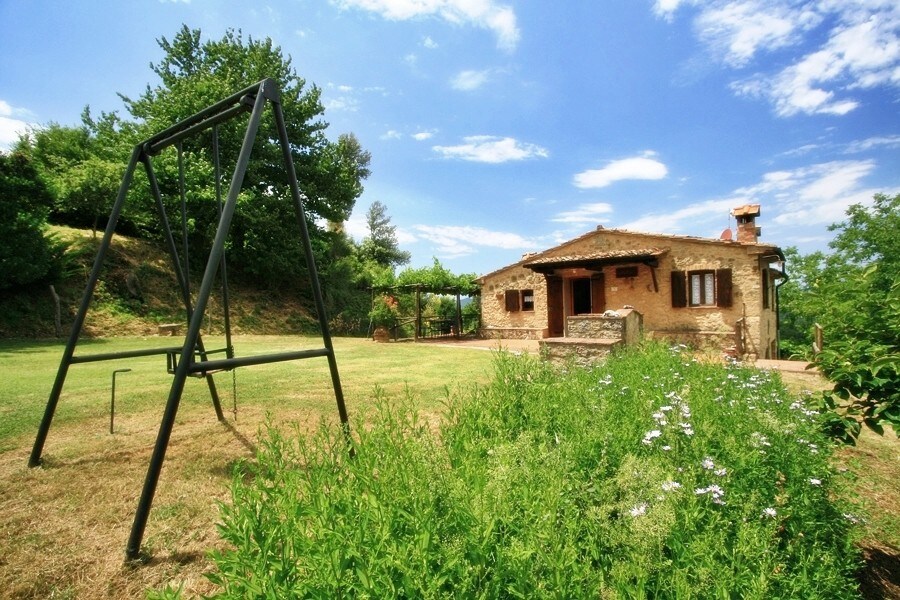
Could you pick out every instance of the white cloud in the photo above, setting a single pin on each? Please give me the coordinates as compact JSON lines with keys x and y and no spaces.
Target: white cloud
{"x":467,"y":81}
{"x":356,"y":227}
{"x":585,"y":214}
{"x":816,"y":194}
{"x":665,"y":8}
{"x":687,"y":218}
{"x":391,"y":134}
{"x":453,"y":241}
{"x":12,"y":124}
{"x":491,"y":149}
{"x":421,"y":136}
{"x":887,"y":141}
{"x":739,"y":29}
{"x":429,"y":43}
{"x":796,"y":203}
{"x":847,"y":46}
{"x":487,"y":14}
{"x":640,"y":167}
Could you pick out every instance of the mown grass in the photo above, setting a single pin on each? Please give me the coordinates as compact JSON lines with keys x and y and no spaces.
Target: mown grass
{"x":524,"y":445}
{"x":63,"y":527}
{"x":28,"y":369}
{"x":651,"y":476}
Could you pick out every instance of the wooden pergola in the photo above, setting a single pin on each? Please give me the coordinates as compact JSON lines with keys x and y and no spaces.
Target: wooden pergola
{"x":419,"y":289}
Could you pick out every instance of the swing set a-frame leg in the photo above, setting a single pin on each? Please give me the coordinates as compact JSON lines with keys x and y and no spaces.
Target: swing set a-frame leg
{"x":68,"y":354}
{"x":192,"y":338}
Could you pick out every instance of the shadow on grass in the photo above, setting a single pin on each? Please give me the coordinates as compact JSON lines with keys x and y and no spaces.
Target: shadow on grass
{"x":880,"y":577}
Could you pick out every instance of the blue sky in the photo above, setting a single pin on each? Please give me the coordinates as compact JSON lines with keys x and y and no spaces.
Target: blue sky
{"x":503,"y":127}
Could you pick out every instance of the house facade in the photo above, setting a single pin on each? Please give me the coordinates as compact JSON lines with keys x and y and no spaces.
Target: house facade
{"x":717,"y":293}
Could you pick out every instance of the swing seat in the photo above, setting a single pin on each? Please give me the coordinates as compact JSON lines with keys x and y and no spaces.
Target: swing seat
{"x":173,"y":355}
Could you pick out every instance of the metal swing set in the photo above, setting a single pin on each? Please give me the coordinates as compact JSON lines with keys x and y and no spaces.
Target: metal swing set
{"x":192,"y":358}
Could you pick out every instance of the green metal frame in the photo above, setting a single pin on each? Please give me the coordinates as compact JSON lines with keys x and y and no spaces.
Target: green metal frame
{"x":253,"y":99}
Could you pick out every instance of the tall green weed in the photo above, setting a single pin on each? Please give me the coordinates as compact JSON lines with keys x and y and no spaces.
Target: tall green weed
{"x":653,"y":475}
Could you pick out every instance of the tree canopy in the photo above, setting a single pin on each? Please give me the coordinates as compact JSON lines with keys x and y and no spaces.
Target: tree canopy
{"x":853,"y":292}
{"x":381,"y":246}
{"x":26,"y":256}
{"x":194,"y":74}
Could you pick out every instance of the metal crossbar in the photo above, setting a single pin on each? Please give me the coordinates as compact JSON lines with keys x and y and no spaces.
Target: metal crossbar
{"x":253,"y":99}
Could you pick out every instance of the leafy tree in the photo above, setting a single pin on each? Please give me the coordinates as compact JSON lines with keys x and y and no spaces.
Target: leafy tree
{"x":194,"y":74}
{"x":26,"y":254}
{"x":800,"y":303}
{"x":854,"y":292}
{"x":381,"y":246}
{"x":81,"y":166}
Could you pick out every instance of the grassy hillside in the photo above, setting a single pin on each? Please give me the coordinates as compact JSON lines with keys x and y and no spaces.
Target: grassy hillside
{"x":137,"y":291}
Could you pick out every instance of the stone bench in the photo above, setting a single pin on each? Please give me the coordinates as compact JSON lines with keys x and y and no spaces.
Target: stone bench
{"x":169,"y":329}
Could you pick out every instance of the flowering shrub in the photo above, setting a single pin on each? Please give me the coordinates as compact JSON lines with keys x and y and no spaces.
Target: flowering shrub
{"x":385,"y":311}
{"x":653,"y":475}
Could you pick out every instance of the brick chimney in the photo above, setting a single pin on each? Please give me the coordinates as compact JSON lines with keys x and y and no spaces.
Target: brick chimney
{"x":747,"y":231}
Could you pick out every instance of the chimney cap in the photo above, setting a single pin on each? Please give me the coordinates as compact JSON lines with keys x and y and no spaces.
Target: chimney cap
{"x":747,"y":210}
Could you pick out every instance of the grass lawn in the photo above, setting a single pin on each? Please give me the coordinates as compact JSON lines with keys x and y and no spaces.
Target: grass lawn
{"x":63,"y":527}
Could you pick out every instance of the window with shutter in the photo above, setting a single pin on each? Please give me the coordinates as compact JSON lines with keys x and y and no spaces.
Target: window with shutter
{"x":512,"y":300}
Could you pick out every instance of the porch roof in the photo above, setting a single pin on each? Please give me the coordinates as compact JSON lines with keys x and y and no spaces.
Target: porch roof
{"x":596,"y":260}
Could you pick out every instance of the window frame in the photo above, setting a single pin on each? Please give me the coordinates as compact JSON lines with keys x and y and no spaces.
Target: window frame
{"x":526,"y":305}
{"x":702,"y":289}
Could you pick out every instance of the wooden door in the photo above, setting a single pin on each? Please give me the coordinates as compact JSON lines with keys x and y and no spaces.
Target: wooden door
{"x":555,"y":319}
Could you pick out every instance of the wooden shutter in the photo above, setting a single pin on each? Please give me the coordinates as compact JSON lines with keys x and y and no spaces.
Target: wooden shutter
{"x":679,"y":289}
{"x":512,"y":300}
{"x":723,"y":288}
{"x":598,"y":294}
{"x":764,"y":288}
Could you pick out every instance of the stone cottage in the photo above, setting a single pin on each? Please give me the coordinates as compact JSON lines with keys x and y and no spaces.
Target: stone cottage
{"x":719,"y":293}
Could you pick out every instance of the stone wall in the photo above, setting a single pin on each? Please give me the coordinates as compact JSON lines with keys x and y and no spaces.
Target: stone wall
{"x":625,"y":325}
{"x":497,"y":322}
{"x":583,"y":353}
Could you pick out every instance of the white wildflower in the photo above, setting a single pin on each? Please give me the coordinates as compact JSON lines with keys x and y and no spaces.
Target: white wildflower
{"x":638,"y":509}
{"x":721,"y":472}
{"x":671,"y":486}
{"x":650,"y":436}
{"x":769,"y":512}
{"x":814,"y":481}
{"x":708,"y":464}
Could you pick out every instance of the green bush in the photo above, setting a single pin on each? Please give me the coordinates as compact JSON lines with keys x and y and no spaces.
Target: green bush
{"x":653,"y":475}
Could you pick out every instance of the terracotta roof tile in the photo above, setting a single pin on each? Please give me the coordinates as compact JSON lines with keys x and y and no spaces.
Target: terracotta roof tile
{"x":611,"y":254}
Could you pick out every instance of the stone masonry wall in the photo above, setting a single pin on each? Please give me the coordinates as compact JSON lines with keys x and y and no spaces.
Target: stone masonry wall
{"x":497,"y":322}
